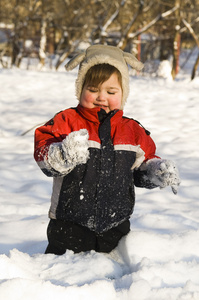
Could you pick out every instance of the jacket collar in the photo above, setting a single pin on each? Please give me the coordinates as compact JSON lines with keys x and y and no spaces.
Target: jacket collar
{"x":92,"y":114}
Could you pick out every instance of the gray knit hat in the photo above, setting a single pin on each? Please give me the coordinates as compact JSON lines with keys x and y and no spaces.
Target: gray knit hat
{"x":103,"y":54}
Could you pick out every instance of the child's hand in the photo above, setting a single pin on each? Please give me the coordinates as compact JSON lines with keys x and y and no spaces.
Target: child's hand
{"x":75,"y":147}
{"x":163,"y":173}
{"x":65,"y":155}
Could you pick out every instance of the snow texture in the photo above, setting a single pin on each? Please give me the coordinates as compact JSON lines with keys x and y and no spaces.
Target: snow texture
{"x":159,"y":259}
{"x":75,"y":147}
{"x":162,"y":173}
{"x":73,"y":150}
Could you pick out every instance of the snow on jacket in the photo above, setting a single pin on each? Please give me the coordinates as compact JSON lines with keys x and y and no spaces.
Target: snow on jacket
{"x":100,"y":193}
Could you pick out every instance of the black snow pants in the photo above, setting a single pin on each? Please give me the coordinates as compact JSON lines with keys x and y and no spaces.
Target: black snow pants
{"x":63,"y":235}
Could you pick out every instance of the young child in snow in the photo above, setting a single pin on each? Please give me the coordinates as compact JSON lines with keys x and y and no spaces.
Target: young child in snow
{"x":96,"y":156}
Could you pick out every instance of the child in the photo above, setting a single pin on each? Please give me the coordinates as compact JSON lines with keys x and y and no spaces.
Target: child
{"x":96,"y":156}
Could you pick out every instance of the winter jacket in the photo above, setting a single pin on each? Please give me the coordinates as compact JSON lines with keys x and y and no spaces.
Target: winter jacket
{"x":100,"y":193}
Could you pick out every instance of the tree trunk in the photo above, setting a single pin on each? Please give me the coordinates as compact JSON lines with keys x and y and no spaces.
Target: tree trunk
{"x":124,"y":40}
{"x":195,"y":68}
{"x":176,"y":42}
{"x":176,"y":53}
{"x":188,"y":26}
{"x":42,"y":46}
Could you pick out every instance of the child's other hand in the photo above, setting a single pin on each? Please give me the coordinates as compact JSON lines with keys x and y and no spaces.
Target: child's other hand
{"x":75,"y":147}
{"x":163,"y":173}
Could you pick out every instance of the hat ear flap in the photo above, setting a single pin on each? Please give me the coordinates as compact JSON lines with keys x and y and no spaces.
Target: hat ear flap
{"x":132,"y":61}
{"x":75,"y":61}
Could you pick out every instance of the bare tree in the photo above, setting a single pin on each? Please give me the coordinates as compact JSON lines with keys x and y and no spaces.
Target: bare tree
{"x":196,"y":64}
{"x":128,"y":30}
{"x":59,"y":26}
{"x":75,"y":29}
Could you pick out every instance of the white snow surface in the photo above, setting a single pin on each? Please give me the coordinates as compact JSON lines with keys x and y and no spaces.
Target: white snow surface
{"x":159,"y":259}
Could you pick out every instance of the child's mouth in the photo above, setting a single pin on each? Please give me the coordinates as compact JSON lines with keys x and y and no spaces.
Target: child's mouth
{"x":102,"y":106}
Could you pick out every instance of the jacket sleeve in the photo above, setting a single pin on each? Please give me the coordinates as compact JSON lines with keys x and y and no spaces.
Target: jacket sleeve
{"x":142,"y":180}
{"x":51,"y":132}
{"x":146,"y":143}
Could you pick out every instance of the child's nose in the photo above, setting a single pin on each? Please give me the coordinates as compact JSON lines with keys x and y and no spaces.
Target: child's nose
{"x":101,"y":96}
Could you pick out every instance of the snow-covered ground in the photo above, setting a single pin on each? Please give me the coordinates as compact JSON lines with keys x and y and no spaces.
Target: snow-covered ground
{"x":159,"y":259}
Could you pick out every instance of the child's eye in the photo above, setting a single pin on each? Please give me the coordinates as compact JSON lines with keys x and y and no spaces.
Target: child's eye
{"x":92,"y":90}
{"x":111,"y":93}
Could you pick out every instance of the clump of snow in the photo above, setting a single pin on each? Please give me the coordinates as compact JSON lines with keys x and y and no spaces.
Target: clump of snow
{"x":159,"y":259}
{"x":164,"y":70}
{"x":75,"y":147}
{"x":73,"y":150}
{"x":162,"y":173}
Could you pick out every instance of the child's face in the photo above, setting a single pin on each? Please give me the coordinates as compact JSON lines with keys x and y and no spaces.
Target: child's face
{"x":107,"y":95}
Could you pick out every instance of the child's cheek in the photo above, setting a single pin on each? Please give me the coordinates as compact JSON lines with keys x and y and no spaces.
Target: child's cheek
{"x":115,"y":103}
{"x":87,"y":100}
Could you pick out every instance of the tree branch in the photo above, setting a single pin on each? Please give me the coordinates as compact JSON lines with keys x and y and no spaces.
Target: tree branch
{"x":154,"y":21}
{"x":191,"y":24}
{"x":188,"y":26}
{"x":112,"y":18}
{"x":129,"y":28}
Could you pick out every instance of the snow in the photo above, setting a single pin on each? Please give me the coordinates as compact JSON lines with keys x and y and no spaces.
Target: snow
{"x":164,"y":70}
{"x":75,"y":150}
{"x":162,"y":173}
{"x":159,"y":259}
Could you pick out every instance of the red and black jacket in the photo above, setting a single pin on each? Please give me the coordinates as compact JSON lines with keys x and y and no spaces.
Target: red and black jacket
{"x":100,"y":193}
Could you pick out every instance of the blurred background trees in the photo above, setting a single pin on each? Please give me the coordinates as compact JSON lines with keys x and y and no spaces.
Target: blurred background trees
{"x":52,"y":30}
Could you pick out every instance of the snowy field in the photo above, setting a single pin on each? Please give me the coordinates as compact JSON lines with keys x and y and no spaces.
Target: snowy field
{"x":159,"y":259}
